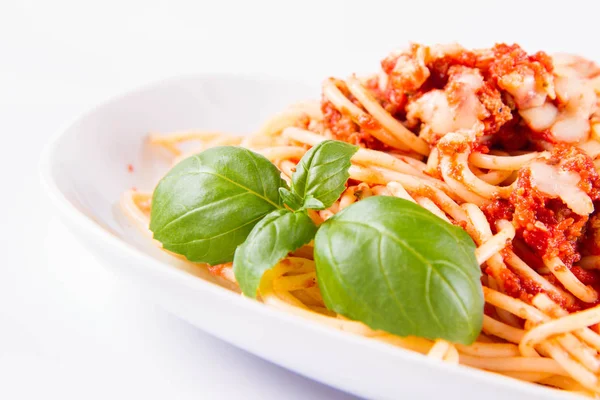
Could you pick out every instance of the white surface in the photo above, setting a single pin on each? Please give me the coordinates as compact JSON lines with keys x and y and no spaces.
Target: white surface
{"x":68,"y":327}
{"x":82,"y":172}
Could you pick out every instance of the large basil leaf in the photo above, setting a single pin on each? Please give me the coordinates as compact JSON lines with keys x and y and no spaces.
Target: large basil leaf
{"x":207,"y":204}
{"x":322,"y":173}
{"x":279,"y":233}
{"x":397,"y":267}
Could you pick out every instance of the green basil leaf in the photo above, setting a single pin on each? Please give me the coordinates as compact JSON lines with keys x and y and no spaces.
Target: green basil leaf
{"x":279,"y":233}
{"x":397,"y":267}
{"x":291,"y":199}
{"x":207,"y":204}
{"x":323,"y":171}
{"x":314,"y":204}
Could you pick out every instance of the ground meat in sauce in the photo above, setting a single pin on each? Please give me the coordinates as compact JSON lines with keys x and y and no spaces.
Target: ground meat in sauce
{"x":512,"y":284}
{"x":440,"y":66}
{"x":391,"y":99}
{"x":407,"y":70}
{"x":342,"y":127}
{"x":512,"y":136}
{"x":511,"y":58}
{"x":499,"y":113}
{"x":591,"y":242}
{"x":546,"y":224}
{"x":417,"y":71}
{"x":549,"y":228}
{"x":498,"y":209}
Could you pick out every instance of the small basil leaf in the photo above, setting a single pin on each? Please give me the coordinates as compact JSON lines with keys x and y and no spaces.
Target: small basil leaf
{"x":279,"y":233}
{"x":323,"y":171}
{"x":290,"y":198}
{"x":314,"y":204}
{"x":397,"y":267}
{"x":207,"y":204}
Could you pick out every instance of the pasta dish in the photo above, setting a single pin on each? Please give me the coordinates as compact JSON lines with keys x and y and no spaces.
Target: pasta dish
{"x":445,"y":204}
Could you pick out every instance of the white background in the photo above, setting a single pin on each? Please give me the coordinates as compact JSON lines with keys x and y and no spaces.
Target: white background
{"x":69,"y":329}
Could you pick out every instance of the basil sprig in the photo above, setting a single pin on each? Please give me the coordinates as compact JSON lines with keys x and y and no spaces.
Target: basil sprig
{"x":211,"y":203}
{"x":383,"y":261}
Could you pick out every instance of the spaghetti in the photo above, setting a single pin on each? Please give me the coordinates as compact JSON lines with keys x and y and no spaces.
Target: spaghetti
{"x":499,"y":142}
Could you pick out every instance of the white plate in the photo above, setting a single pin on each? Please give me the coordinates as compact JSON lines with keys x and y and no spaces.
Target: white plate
{"x":84,"y":171}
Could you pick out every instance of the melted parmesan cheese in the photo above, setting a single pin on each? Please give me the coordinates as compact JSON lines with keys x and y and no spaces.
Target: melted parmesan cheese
{"x":540,"y":118}
{"x":524,"y":89}
{"x":556,"y":182}
{"x":455,"y":108}
{"x":580,"y":101}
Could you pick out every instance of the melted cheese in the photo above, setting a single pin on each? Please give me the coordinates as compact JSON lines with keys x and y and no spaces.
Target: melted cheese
{"x":524,"y":89}
{"x":556,"y":182}
{"x":455,"y":108}
{"x":571,"y":128}
{"x":580,"y":102}
{"x":540,"y":118}
{"x":433,"y":109}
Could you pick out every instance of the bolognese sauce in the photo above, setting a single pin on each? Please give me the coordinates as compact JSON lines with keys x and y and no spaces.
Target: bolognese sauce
{"x":503,"y":101}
